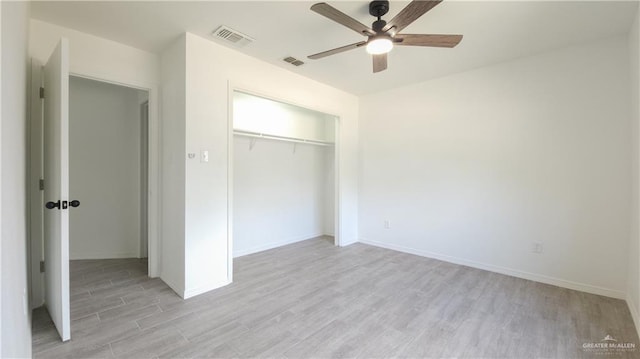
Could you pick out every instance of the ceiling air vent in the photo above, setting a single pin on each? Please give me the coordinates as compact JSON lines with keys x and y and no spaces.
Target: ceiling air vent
{"x":293,"y":61}
{"x":230,"y":35}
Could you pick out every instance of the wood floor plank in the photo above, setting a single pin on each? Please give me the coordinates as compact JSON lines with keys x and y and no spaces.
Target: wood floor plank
{"x":148,"y":344}
{"x":93,"y":305}
{"x":312,"y":299}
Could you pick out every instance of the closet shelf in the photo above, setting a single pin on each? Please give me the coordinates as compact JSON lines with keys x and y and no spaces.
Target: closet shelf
{"x":281,"y":138}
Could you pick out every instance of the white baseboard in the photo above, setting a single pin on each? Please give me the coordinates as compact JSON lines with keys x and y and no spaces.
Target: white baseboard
{"x":176,"y":288}
{"x":348,"y":242}
{"x":79,"y":256}
{"x":607,"y":292}
{"x":272,"y":245}
{"x":188,"y":293}
{"x":634,"y":314}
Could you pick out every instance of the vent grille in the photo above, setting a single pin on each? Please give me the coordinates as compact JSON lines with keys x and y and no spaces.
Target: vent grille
{"x":232,"y":36}
{"x":293,"y":61}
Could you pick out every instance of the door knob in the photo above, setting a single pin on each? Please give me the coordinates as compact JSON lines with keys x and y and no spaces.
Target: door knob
{"x":52,"y":205}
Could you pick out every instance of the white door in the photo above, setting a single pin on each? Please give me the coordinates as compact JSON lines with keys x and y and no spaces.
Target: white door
{"x":56,"y":188}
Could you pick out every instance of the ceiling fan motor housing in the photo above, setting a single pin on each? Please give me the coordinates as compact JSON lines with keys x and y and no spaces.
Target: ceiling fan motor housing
{"x":378,"y":8}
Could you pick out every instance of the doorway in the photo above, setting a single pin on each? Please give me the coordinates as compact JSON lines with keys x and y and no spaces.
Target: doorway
{"x":107,"y":170}
{"x":107,"y":174}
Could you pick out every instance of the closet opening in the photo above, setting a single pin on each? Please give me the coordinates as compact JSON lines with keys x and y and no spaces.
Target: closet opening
{"x":283,"y":174}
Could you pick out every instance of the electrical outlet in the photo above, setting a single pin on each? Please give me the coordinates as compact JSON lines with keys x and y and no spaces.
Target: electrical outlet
{"x":387,"y":224}
{"x":536,"y":247}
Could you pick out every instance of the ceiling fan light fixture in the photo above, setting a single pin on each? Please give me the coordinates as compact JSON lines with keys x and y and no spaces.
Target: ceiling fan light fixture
{"x":379,"y":45}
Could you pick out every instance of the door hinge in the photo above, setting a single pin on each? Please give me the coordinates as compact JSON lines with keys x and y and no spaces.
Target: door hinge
{"x":41,"y":266}
{"x":41,"y":184}
{"x":41,"y":92}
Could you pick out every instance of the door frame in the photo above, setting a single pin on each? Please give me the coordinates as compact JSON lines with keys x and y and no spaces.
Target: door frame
{"x":337,"y":206}
{"x":143,"y":246}
{"x":35,"y":166}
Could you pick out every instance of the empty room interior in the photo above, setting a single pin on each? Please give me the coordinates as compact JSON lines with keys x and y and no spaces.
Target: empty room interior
{"x":299,"y":179}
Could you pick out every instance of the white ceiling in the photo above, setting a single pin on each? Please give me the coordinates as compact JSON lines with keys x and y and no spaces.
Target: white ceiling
{"x":494,"y":31}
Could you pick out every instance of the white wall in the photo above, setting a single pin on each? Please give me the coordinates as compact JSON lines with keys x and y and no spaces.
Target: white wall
{"x":104,"y":170}
{"x":173,"y":67}
{"x":474,"y":167}
{"x":15,"y":324}
{"x":278,"y":195}
{"x":102,"y":59}
{"x":95,"y":57}
{"x":633,"y":286}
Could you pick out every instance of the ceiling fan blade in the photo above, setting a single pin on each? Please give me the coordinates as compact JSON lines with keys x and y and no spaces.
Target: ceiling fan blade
{"x":336,"y":50}
{"x":428,"y":40}
{"x":338,"y":16}
{"x":409,"y":14}
{"x":379,"y":63}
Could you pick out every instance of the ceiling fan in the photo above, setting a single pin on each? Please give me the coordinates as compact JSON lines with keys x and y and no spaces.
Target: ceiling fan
{"x":382,"y":35}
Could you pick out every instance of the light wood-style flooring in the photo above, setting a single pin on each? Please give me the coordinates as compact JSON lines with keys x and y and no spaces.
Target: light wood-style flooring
{"x":312,"y":299}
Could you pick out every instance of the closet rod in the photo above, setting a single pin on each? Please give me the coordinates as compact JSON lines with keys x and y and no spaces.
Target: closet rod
{"x":281,"y":138}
